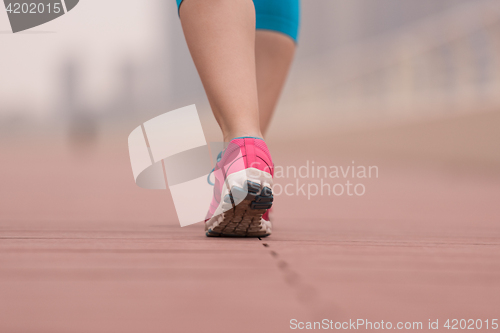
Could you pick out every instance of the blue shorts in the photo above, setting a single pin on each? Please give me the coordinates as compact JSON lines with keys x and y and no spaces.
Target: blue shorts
{"x":276,"y":15}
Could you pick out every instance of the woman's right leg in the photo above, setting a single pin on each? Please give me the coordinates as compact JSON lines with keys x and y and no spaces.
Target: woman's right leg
{"x":221,"y":38}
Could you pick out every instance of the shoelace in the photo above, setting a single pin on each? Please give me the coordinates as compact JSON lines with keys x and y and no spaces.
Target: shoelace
{"x":219,"y":157}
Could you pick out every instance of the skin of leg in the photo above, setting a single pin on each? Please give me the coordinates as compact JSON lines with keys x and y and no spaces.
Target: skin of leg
{"x":221,"y":38}
{"x":274,"y":53}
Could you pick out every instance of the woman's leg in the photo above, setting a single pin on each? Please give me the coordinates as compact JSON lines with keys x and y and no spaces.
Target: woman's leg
{"x":273,"y":55}
{"x":221,"y":38}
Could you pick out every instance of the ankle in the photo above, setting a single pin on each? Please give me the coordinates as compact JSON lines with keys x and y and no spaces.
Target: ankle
{"x":237,"y":134}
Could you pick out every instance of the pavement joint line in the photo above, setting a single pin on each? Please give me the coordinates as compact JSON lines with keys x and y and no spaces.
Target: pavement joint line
{"x":351,"y":243}
{"x":386,"y":243}
{"x":91,"y":238}
{"x":306,"y":294}
{"x":336,"y":243}
{"x":122,"y":251}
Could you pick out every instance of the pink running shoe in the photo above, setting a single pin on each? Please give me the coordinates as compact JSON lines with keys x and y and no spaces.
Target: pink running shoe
{"x":242,"y":190}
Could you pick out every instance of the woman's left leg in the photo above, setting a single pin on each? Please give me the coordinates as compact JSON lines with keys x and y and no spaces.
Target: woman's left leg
{"x":273,"y":56}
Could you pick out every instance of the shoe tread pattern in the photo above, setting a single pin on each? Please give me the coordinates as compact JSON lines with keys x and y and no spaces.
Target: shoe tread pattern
{"x":244,"y":220}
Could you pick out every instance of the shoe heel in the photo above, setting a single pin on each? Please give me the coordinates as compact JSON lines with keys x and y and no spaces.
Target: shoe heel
{"x":247,"y":197}
{"x":263,"y":200}
{"x":256,"y":196}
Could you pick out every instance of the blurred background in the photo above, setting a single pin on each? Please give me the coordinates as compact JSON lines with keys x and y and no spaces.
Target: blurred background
{"x":412,"y":87}
{"x":360,"y":64}
{"x":383,"y":82}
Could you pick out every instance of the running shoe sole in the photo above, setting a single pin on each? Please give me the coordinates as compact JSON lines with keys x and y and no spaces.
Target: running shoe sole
{"x":245,"y":218}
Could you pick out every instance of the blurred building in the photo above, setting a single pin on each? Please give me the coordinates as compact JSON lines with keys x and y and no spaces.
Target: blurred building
{"x":390,"y":60}
{"x":358,"y":61}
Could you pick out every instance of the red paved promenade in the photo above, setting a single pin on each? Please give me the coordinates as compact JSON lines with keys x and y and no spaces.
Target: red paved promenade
{"x":82,"y":249}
